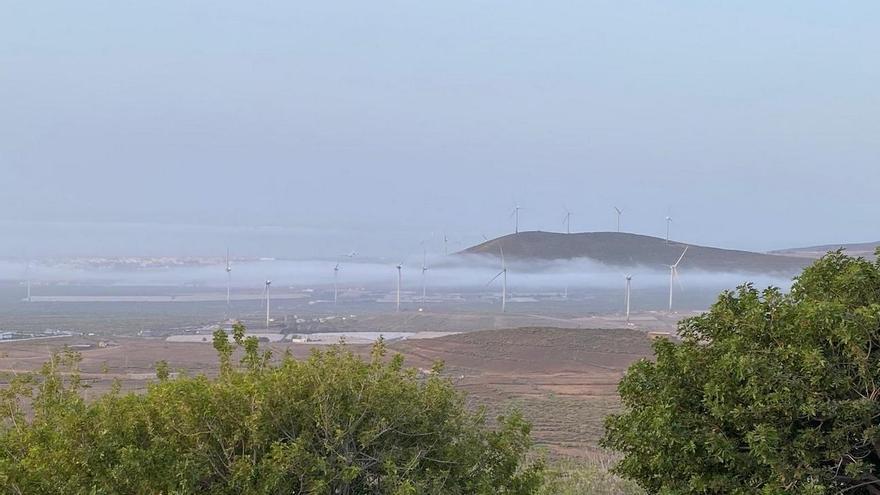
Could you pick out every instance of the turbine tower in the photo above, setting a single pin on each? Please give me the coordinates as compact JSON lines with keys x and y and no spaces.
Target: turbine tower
{"x":668,"y":222}
{"x":567,"y":221}
{"x":27,"y":276}
{"x":503,"y":275}
{"x":399,"y":267}
{"x":673,"y":275}
{"x":445,"y":245}
{"x":424,"y":275}
{"x":335,"y":285}
{"x":515,"y":215}
{"x":228,"y":278}
{"x":628,"y":295}
{"x":268,"y":284}
{"x":619,"y":212}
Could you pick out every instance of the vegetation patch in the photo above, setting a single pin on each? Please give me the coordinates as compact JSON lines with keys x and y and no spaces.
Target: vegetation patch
{"x":333,"y":423}
{"x":768,"y":392}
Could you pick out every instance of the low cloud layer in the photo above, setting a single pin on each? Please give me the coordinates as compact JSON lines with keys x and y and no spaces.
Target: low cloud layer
{"x":446,"y":272}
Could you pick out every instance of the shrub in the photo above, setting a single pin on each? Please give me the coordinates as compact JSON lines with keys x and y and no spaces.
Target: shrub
{"x":333,"y":423}
{"x":768,"y":392}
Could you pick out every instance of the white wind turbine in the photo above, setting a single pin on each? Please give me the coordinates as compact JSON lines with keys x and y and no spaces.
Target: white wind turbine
{"x":27,"y":276}
{"x":335,"y":284}
{"x":445,"y":245}
{"x":628,"y":297}
{"x":228,"y":278}
{"x":668,"y":223}
{"x":619,"y":212}
{"x":567,"y":221}
{"x":268,"y":284}
{"x":673,"y":275}
{"x":503,"y":274}
{"x":399,"y":268}
{"x":424,"y":275}
{"x":515,"y":215}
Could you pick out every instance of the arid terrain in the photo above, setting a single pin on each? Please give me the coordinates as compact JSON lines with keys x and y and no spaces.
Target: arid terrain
{"x":863,"y":249}
{"x":564,"y":380}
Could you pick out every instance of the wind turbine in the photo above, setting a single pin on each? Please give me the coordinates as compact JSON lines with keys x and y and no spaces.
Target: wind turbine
{"x":515,"y":214}
{"x":268,"y":284}
{"x":445,"y":245}
{"x":228,"y":278}
{"x":628,"y":295}
{"x":567,"y":221}
{"x":668,"y":222}
{"x":424,"y":275}
{"x":673,"y":275}
{"x":335,"y":285}
{"x":619,"y":212}
{"x":503,"y":274}
{"x":27,"y":275}
{"x":399,"y":268}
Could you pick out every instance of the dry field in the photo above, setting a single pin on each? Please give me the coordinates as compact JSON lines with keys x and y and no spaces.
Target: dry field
{"x":564,"y":380}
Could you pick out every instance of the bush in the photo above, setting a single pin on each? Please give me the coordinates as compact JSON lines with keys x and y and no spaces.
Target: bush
{"x":333,"y":423}
{"x":767,"y":392}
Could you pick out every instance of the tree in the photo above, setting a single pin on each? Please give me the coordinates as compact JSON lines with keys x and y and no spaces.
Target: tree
{"x":333,"y":423}
{"x":768,"y":392}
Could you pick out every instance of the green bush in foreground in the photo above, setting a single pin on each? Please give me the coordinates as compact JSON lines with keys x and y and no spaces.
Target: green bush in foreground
{"x":767,"y":393}
{"x":331,"y":424}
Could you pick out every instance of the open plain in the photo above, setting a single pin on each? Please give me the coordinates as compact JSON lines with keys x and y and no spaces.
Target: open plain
{"x":564,"y":380}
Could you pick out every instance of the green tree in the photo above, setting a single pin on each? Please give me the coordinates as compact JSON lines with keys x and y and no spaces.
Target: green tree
{"x":333,"y":423}
{"x":768,"y":392}
{"x":163,"y":372}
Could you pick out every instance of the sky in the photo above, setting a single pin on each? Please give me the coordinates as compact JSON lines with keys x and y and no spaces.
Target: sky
{"x":306,"y":129}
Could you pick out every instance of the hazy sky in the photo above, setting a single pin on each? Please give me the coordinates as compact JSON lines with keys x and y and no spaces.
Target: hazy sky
{"x":174,"y":126}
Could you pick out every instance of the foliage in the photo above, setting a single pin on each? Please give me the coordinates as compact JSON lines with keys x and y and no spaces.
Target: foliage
{"x":572,"y":478}
{"x":333,"y":423}
{"x":767,"y":392}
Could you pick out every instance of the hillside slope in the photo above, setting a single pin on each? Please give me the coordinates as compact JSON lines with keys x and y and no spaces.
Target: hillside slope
{"x":624,"y":249}
{"x":864,"y":249}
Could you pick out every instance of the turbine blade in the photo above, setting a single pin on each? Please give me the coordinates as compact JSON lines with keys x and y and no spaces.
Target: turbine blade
{"x":677,"y":280}
{"x":494,"y":278}
{"x":681,"y":257}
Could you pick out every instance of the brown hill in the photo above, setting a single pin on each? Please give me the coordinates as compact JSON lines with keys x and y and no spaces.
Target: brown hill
{"x":863,"y":249}
{"x":625,"y":250}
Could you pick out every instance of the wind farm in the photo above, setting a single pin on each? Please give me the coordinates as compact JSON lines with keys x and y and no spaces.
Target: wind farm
{"x":538,"y":297}
{"x":541,"y":298}
{"x":567,"y":276}
{"x":439,"y":247}
{"x":547,"y":320}
{"x":544,"y":319}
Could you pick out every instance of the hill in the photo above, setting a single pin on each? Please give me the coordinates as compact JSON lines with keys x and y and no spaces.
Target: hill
{"x":864,"y":249}
{"x":626,"y":250}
